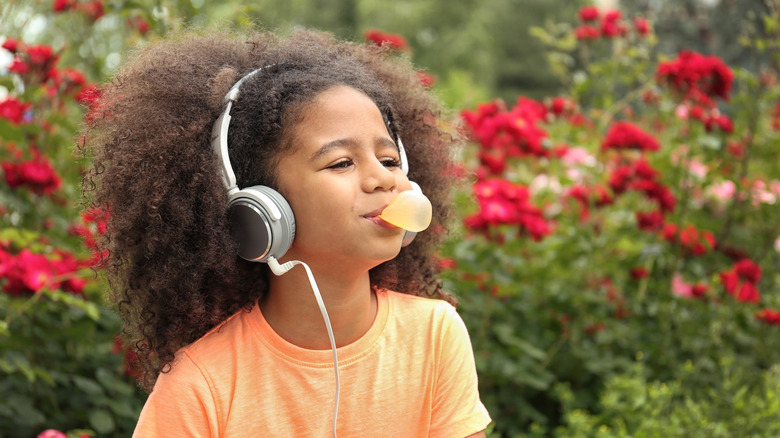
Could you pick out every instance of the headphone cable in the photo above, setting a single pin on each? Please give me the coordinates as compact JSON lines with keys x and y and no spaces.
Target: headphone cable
{"x":282,"y":269}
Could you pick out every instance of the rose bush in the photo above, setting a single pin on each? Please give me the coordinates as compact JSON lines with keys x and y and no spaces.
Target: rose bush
{"x":62,"y":365}
{"x":626,"y":229}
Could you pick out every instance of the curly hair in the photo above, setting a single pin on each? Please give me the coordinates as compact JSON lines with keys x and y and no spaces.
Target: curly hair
{"x":173,"y":269}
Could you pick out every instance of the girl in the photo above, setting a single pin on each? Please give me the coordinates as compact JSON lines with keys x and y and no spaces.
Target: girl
{"x":222,"y":159}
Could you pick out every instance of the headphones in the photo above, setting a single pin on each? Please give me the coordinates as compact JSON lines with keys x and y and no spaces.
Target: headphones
{"x":264,"y":220}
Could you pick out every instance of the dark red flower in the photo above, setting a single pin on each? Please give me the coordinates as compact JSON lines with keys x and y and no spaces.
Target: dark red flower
{"x":139,"y":23}
{"x":586,"y":32}
{"x":426,"y":79}
{"x":560,"y":106}
{"x":380,"y":38}
{"x":18,"y":66}
{"x":639,"y":272}
{"x":771,"y":317}
{"x":669,"y":232}
{"x":92,"y":9}
{"x":36,"y":174}
{"x":776,"y":117}
{"x":722,"y":121}
{"x":131,"y":366}
{"x":736,"y":149}
{"x":640,"y":176}
{"x":506,"y":134}
{"x":740,"y":281}
{"x":503,"y":203}
{"x":26,"y":273}
{"x":652,"y":221}
{"x":748,"y":270}
{"x":699,"y":289}
{"x":697,"y":76}
{"x":62,"y":5}
{"x":589,"y":13}
{"x":66,"y":266}
{"x":41,"y":57}
{"x":11,"y":45}
{"x":696,"y":242}
{"x":626,"y":135}
{"x":90,"y":96}
{"x":447,"y":263}
{"x":641,"y":25}
{"x":13,"y":110}
{"x":748,"y":293}
{"x":611,"y":25}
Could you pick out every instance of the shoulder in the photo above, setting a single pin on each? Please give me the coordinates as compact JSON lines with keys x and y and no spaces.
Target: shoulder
{"x":417,"y":313}
{"x":413,"y":303}
{"x":219,"y":345}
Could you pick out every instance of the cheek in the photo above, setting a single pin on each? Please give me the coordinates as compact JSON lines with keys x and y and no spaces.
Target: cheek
{"x":402,"y":182}
{"x":317,"y":210}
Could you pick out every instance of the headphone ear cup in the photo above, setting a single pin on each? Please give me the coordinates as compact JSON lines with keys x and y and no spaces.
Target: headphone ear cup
{"x":264,"y":223}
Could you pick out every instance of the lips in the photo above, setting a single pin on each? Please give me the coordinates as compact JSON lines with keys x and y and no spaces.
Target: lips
{"x":375,"y":213}
{"x":374,"y":217}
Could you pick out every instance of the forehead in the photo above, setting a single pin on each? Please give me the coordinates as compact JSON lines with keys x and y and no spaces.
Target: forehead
{"x":338,"y":112}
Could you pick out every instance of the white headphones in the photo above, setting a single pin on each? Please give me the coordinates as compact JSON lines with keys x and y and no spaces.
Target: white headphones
{"x":265,"y":222}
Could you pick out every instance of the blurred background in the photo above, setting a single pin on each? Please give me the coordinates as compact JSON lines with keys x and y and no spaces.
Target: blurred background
{"x":617,"y":248}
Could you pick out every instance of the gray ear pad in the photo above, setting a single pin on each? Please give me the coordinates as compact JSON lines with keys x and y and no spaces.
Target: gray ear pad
{"x":265,"y":223}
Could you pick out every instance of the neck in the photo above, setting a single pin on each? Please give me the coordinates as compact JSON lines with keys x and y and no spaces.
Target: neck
{"x":292,"y":311}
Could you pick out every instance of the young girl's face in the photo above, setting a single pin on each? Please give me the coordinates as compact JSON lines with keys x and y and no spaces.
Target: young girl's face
{"x":343,"y":171}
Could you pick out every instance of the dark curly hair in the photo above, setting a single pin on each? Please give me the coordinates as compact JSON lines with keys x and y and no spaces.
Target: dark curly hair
{"x":173,"y":269}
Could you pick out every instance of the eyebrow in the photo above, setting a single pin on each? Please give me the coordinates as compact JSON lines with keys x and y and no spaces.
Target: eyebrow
{"x":348,"y":143}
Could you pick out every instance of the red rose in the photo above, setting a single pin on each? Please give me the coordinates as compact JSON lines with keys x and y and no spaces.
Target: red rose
{"x":18,"y":66}
{"x":11,"y":45}
{"x":589,"y":13}
{"x":587,"y":32}
{"x":771,"y":317}
{"x":652,"y":221}
{"x":62,"y":5}
{"x":380,"y":38}
{"x":626,"y":135}
{"x":696,"y":76}
{"x":641,"y":25}
{"x":639,"y":273}
{"x":426,"y":79}
{"x":13,"y":110}
{"x":748,"y":270}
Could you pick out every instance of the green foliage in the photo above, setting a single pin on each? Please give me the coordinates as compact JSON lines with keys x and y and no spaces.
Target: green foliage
{"x":559,"y":322}
{"x":59,"y":369}
{"x":61,"y":363}
{"x":631,"y":405}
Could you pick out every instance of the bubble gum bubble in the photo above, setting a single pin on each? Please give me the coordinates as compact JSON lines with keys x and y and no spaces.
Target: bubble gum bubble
{"x":409,"y":210}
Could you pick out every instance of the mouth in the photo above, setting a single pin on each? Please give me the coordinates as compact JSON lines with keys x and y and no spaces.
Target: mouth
{"x":375,"y":213}
{"x":374,"y":217}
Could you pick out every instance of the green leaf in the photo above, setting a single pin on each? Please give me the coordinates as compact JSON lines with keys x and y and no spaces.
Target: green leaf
{"x":88,"y":386}
{"x":10,"y":132}
{"x":102,"y":421}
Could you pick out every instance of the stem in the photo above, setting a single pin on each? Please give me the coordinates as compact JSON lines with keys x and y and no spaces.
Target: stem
{"x":552,"y":352}
{"x":637,"y":93}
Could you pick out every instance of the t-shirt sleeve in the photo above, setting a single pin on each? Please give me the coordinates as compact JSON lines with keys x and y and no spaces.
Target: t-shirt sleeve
{"x":457,"y":409}
{"x":181,"y":404}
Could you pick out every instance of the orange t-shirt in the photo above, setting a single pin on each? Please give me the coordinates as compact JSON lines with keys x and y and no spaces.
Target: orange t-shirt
{"x":412,"y":374}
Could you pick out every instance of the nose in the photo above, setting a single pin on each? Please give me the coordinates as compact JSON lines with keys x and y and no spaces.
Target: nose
{"x":378,"y":177}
